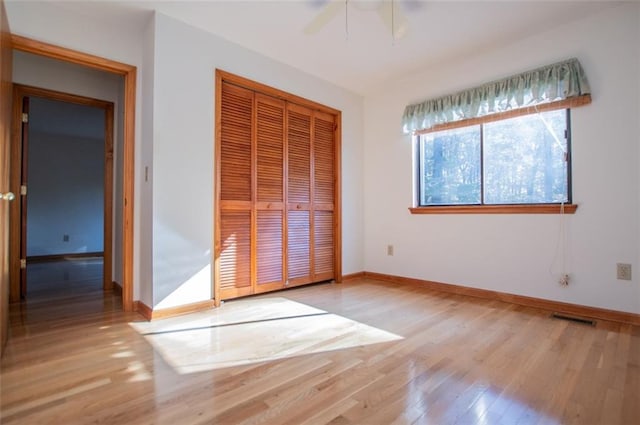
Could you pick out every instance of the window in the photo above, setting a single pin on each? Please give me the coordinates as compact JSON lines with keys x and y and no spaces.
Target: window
{"x":523,"y":160}
{"x":501,"y":147}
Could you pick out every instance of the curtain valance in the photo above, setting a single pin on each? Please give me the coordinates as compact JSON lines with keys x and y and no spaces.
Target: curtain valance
{"x":550,"y":83}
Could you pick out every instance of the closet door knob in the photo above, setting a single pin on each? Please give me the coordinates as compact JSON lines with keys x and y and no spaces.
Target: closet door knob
{"x":9,"y":196}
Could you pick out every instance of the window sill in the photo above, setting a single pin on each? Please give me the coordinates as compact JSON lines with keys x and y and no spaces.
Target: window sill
{"x":496,"y":209}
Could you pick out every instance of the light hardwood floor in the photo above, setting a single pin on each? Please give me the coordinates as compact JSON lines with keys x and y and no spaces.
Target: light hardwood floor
{"x":361,"y":352}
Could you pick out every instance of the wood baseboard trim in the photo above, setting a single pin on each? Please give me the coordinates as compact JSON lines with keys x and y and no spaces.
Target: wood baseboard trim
{"x":353,"y":276}
{"x":143,"y":309}
{"x":555,"y":306}
{"x":154,"y":314}
{"x":116,"y":288}
{"x":59,"y":257}
{"x":183,"y":309}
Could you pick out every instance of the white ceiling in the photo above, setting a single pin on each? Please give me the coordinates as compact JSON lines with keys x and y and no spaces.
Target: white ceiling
{"x":438,"y":31}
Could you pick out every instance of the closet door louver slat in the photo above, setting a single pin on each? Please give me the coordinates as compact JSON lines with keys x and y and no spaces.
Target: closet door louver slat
{"x":298,"y":249}
{"x":269,"y":249}
{"x":235,"y":253}
{"x":235,"y":147}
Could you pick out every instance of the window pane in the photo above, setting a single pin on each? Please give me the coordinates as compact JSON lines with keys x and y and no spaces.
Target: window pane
{"x":450,"y":167}
{"x":524,"y":159}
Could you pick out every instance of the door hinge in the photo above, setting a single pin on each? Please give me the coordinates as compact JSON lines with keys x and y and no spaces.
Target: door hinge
{"x":25,"y":117}
{"x":23,"y":263}
{"x":23,"y":190}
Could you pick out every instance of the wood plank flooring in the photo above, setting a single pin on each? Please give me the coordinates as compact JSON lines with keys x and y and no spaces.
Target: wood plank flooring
{"x":74,"y":357}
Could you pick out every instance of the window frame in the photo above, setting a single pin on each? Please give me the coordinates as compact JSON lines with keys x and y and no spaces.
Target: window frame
{"x":547,"y":208}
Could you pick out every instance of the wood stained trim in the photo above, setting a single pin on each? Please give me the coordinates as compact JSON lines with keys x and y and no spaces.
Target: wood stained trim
{"x":217,"y":246}
{"x":143,"y":309}
{"x":353,"y":276}
{"x":6,"y":68}
{"x":154,"y":314}
{"x":107,"y":244}
{"x":182,"y":309}
{"x":497,"y":209}
{"x":40,"y":48}
{"x":129,"y":73}
{"x":337,"y":207}
{"x":550,"y":305}
{"x":116,"y":288}
{"x":273,"y":92}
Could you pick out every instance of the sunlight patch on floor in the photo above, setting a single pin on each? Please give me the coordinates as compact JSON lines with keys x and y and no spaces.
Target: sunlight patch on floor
{"x":251,"y":331}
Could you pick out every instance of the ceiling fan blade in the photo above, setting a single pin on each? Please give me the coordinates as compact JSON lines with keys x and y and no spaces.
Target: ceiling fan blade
{"x":393,"y":19}
{"x":327,"y":14}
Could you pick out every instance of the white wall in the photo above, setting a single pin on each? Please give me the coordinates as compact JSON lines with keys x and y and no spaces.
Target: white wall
{"x":183,"y":153}
{"x":515,"y":253}
{"x":145,"y":197}
{"x":53,"y":23}
{"x":66,"y":191}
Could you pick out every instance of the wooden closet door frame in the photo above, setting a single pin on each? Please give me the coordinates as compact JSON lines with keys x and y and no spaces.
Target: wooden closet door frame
{"x":221,"y":76}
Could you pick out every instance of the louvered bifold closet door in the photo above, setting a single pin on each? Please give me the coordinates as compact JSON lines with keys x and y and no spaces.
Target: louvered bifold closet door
{"x":277,"y":206}
{"x":269,"y":206}
{"x":299,"y":196}
{"x":233,"y":266}
{"x":323,"y":195}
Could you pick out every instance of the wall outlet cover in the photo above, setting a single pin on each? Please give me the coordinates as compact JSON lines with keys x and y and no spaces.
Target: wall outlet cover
{"x":623,"y":271}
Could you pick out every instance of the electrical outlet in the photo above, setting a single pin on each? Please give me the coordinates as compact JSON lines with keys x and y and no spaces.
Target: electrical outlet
{"x":65,"y":238}
{"x":390,"y":250}
{"x":623,"y":271}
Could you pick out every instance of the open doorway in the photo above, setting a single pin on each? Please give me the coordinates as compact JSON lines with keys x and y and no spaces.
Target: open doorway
{"x":125,"y":117}
{"x":67,"y":192}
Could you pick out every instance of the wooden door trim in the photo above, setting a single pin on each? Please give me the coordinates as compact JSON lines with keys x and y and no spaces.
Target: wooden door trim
{"x":129,"y":73}
{"x":337,"y":199}
{"x":217,"y":246}
{"x":21,"y":92}
{"x":273,"y":92}
{"x":6,"y":67}
{"x":22,"y":148}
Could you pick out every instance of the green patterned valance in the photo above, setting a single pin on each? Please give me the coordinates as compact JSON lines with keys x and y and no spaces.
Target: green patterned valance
{"x":550,"y":83}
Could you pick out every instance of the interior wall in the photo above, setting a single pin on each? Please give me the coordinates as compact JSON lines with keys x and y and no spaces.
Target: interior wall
{"x":183,"y":153}
{"x":146,"y":198}
{"x":66,"y":191}
{"x":517,"y":253}
{"x":52,"y":22}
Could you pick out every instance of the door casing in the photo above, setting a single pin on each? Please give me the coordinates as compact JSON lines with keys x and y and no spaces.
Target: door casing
{"x":129,"y":73}
{"x":21,"y":94}
{"x":6,"y":60}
